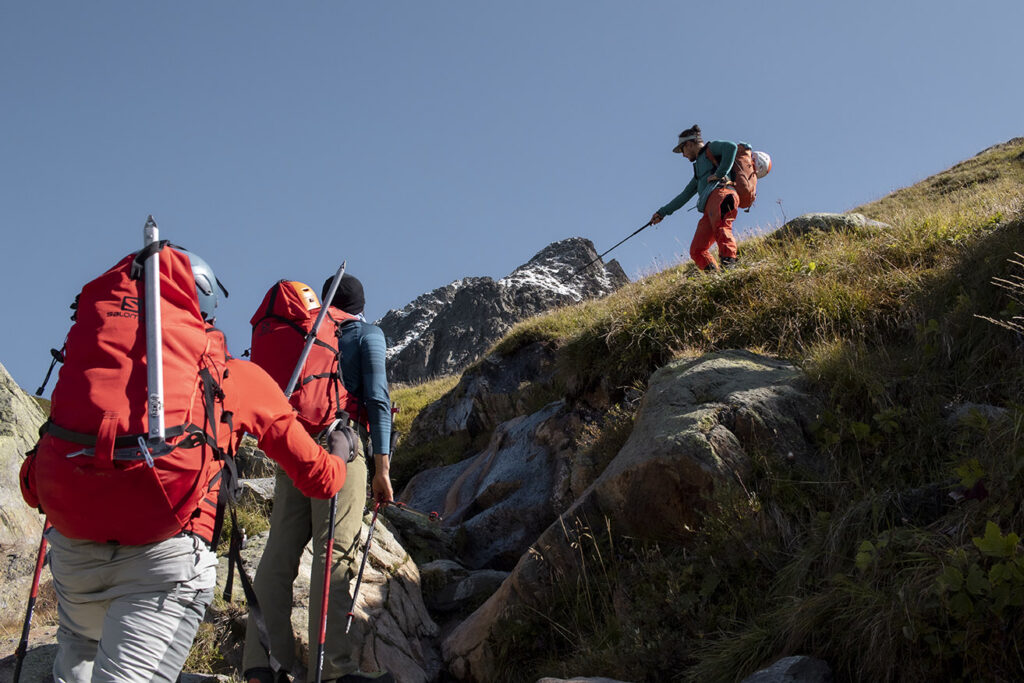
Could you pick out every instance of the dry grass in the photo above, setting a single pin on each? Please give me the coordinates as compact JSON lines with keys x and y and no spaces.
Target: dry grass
{"x":886,"y":325}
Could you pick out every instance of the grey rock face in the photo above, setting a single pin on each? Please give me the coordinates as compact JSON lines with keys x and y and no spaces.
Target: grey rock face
{"x":695,"y":430}
{"x":450,"y":587}
{"x":257,"y":491}
{"x":39,"y":655}
{"x":797,"y":669}
{"x":20,"y":419}
{"x":499,"y":499}
{"x":252,"y":463}
{"x":443,"y":331}
{"x":828,"y":222}
{"x":401,"y":635}
{"x":485,"y":397}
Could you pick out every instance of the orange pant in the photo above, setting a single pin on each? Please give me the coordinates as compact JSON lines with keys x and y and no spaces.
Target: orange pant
{"x":715,"y":226}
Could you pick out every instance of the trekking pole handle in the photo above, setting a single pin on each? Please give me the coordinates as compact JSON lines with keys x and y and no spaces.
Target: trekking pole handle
{"x":311,"y":337}
{"x":154,"y":345}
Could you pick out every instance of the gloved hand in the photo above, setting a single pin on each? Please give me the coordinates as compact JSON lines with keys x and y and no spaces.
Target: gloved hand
{"x":342,"y":441}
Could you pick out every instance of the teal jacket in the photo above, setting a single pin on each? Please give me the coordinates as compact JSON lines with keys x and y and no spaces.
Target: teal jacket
{"x":703,"y":169}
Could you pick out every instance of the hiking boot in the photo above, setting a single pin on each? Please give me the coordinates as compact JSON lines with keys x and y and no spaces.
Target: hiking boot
{"x":729,"y":262}
{"x":364,"y":676}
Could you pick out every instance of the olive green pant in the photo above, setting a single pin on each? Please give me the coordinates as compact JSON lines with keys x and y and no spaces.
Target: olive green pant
{"x":294,"y":521}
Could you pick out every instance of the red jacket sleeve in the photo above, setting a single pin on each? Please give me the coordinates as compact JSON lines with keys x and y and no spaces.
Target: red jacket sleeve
{"x":260,"y":408}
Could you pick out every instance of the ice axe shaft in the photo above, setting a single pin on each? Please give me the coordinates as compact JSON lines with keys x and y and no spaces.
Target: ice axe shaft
{"x":600,"y":256}
{"x":311,"y":337}
{"x":154,"y":345}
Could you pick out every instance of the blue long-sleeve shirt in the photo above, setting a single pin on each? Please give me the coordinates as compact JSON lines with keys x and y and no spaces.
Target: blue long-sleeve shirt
{"x":363,"y":348}
{"x":704,"y":168}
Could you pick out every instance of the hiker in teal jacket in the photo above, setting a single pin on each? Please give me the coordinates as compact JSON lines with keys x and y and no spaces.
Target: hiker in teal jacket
{"x":716,"y":200}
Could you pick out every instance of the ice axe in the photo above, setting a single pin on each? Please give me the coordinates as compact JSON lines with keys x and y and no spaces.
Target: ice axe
{"x":156,"y":443}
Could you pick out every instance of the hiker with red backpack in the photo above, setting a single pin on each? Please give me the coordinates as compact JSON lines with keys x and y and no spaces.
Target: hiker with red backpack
{"x":135,"y":519}
{"x":344,"y":379}
{"x":724,"y":181}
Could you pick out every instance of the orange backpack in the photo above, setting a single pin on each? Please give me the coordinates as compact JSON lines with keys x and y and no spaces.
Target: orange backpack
{"x":279,"y":329}
{"x":743,"y":174}
{"x":94,"y":482}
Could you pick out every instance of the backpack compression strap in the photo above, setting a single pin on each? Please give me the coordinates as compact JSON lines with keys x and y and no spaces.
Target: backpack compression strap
{"x":255,"y":612}
{"x":126,"y":445}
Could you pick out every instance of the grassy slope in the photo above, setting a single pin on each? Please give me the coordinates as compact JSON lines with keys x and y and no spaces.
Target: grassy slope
{"x":874,"y":568}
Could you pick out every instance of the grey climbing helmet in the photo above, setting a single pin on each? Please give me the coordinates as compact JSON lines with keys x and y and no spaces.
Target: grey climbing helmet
{"x":207,"y":285}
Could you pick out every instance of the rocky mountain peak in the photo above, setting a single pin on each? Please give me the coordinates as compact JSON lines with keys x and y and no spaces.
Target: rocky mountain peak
{"x":443,"y":331}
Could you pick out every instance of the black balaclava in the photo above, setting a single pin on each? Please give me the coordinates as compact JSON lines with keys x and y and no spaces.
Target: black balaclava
{"x":349,"y":296}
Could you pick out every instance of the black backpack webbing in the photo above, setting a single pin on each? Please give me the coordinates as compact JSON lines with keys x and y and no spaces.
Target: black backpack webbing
{"x":226,"y":500}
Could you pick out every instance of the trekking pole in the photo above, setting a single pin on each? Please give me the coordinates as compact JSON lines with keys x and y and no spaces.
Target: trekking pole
{"x":600,"y":256}
{"x":20,"y":653}
{"x":362,"y":566}
{"x":311,"y":336}
{"x":327,"y":589}
{"x":154,"y":347}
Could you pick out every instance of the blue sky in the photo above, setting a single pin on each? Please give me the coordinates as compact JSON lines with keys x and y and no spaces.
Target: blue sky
{"x":427,"y":141}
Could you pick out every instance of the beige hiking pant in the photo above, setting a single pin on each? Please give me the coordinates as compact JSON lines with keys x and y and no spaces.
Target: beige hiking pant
{"x":128,"y":613}
{"x":294,"y":521}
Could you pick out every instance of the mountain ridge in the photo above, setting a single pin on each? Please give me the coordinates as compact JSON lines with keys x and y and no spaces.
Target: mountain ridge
{"x":442,"y":331}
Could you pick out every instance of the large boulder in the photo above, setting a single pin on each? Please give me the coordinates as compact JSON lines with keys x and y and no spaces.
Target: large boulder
{"x":828,"y":222}
{"x":21,"y":527}
{"x":500,"y":499}
{"x":37,"y":667}
{"x":401,"y":635}
{"x":695,"y":432}
{"x":796,"y":669}
{"x":20,"y":419}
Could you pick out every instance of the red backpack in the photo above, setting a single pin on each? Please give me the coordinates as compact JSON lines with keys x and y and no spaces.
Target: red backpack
{"x":94,"y":481}
{"x":279,"y":329}
{"x":743,"y":173}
